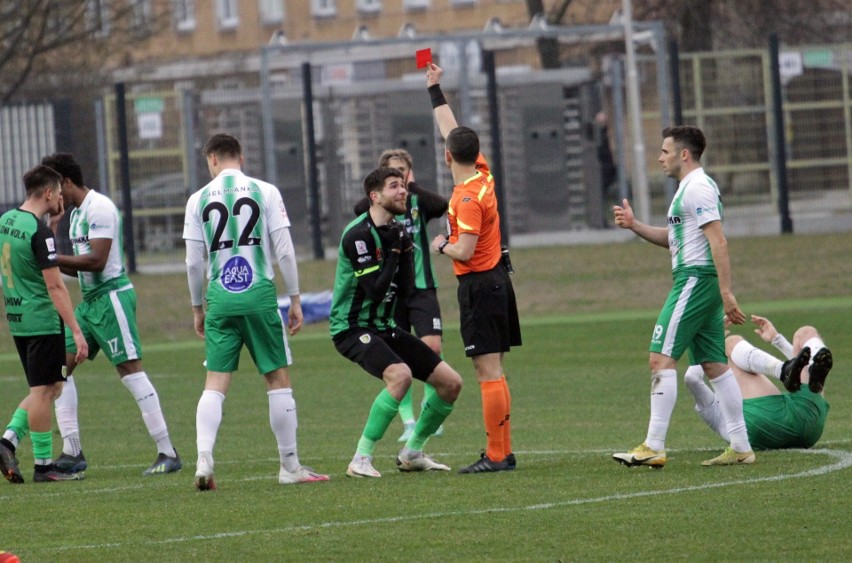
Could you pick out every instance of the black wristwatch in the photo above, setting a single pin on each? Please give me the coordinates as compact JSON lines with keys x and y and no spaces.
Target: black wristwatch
{"x":442,"y":245}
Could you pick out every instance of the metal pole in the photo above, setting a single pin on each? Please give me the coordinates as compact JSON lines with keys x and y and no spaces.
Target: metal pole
{"x":313,"y":176}
{"x":496,"y":143}
{"x":659,"y":34}
{"x":190,"y":151}
{"x":124,"y":167}
{"x":269,"y":165}
{"x":618,"y":127}
{"x":780,"y":142}
{"x":674,"y":70}
{"x":641,"y":195}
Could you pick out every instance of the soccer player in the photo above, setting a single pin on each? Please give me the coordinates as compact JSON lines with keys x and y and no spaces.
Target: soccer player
{"x":37,"y":304}
{"x":420,"y":310}
{"x":693,"y":315}
{"x":489,"y":313}
{"x":374,"y":271}
{"x":107,"y":316}
{"x":241,"y":226}
{"x":774,"y":420}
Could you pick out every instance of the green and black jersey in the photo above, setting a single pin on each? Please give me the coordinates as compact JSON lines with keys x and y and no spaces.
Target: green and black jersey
{"x":368,"y":280}
{"x":27,"y":247}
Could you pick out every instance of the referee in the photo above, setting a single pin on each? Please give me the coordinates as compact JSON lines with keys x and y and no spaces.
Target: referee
{"x":489,"y":314}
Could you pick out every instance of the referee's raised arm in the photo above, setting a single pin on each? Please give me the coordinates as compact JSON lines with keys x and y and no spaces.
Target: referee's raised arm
{"x":443,"y":113}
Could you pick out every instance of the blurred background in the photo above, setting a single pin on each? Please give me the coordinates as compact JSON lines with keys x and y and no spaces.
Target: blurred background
{"x":568,"y":98}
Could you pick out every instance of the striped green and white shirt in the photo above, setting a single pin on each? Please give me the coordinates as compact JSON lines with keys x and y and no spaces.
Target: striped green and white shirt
{"x":696,"y":203}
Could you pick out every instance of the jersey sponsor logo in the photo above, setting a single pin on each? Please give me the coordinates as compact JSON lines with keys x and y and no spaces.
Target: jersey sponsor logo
{"x":98,"y":226}
{"x":699,"y":210}
{"x":675,"y":220}
{"x":80,"y":240}
{"x":14,"y":233}
{"x":361,"y":247}
{"x":14,"y":317}
{"x":14,"y":301}
{"x":237,"y":275}
{"x":51,"y":256}
{"x":364,"y":259}
{"x":364,"y":338}
{"x":51,"y":245}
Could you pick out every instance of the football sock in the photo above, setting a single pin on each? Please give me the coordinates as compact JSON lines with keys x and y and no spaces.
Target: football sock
{"x":42,"y":447}
{"x":208,"y":417}
{"x":18,"y":427}
{"x":494,"y":413}
{"x":382,"y":413}
{"x":754,"y":360}
{"x":507,"y":425}
{"x":706,"y":404}
{"x":406,"y":408}
{"x":663,"y":397}
{"x":731,"y":404}
{"x":282,"y":419}
{"x":149,"y":403}
{"x":66,"y":418}
{"x":434,"y":412}
{"x":815,"y":344}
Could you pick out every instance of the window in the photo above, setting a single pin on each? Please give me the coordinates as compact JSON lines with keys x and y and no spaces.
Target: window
{"x":184,"y":14}
{"x":368,"y":6}
{"x":97,"y":17}
{"x":226,"y":14}
{"x":141,"y":14}
{"x":271,"y":11}
{"x":412,"y":5}
{"x":462,"y":3}
{"x":323,"y":8}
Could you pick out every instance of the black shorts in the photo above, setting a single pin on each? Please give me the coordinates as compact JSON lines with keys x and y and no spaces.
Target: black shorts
{"x":488,"y":312}
{"x":375,"y":351}
{"x":43,"y":357}
{"x":420,"y":312}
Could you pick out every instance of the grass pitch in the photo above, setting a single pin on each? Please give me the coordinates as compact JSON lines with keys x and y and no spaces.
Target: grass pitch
{"x":580,"y":392}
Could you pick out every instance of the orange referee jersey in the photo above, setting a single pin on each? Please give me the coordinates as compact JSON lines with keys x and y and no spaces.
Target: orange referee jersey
{"x":473,"y":210}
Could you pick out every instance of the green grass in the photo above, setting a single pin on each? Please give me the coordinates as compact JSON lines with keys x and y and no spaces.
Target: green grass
{"x":580,"y":392}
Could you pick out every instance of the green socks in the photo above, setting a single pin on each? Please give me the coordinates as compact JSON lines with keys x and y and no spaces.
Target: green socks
{"x":434,"y":412}
{"x":406,"y":409}
{"x":42,"y":445}
{"x":20,"y":423}
{"x":382,"y":413}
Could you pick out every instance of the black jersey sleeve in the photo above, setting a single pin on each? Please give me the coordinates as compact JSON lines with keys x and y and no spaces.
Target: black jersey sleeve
{"x":431,"y":204}
{"x":44,"y":247}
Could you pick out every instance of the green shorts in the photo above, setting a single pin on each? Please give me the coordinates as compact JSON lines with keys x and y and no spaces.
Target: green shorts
{"x":109,"y":322}
{"x":789,"y":420}
{"x":262,"y":333}
{"x":692,"y":318}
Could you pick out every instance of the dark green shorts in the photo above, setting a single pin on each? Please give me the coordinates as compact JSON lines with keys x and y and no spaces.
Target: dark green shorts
{"x":789,"y":420}
{"x":262,"y":333}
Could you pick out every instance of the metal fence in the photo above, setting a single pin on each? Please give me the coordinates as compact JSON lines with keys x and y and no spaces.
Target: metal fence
{"x":369,"y":97}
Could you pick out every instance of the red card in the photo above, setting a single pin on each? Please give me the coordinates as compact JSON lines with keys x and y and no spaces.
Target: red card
{"x":424,"y":57}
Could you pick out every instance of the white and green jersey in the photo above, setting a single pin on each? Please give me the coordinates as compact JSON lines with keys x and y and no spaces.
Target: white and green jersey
{"x":98,"y":217}
{"x":233,"y":216}
{"x":696,"y":203}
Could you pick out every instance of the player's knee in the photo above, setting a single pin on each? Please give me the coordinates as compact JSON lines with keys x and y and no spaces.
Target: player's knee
{"x":397,"y":377}
{"x":802,"y":335}
{"x":694,"y":374}
{"x":731,"y":342}
{"x":447,"y":383}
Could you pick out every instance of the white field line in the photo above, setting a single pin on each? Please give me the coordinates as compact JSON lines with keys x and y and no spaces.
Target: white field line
{"x":843,"y":461}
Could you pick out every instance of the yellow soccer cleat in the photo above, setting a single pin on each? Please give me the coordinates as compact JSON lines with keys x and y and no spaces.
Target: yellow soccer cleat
{"x":730,"y":457}
{"x":642,"y":455}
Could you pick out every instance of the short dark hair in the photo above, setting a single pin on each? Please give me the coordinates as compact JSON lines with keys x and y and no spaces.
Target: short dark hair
{"x":401,"y":154}
{"x":375,"y":180}
{"x":64,"y":163}
{"x":223,"y":145}
{"x":688,"y":137}
{"x":463,"y":144}
{"x":39,"y":178}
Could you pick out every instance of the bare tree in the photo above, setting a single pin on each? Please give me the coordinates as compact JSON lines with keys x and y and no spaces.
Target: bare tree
{"x":47,"y":37}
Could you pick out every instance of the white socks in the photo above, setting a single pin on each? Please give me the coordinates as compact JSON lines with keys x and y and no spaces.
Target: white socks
{"x":706,"y":404}
{"x":282,"y":419}
{"x":208,"y":417}
{"x":731,"y":404}
{"x":149,"y":403}
{"x":748,"y":358}
{"x":663,"y":397}
{"x":66,"y":418}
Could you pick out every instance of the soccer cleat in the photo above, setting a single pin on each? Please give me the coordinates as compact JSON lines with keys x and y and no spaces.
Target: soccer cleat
{"x":71,"y":463}
{"x":642,"y":455}
{"x":164,"y":464}
{"x":485,"y":465}
{"x":204,"y":472}
{"x":418,"y":461}
{"x":407,"y":432}
{"x":730,"y":457}
{"x":510,"y":461}
{"x":52,"y":475}
{"x":791,"y":370}
{"x":9,"y":464}
{"x":362,"y":466}
{"x":301,"y":475}
{"x":819,"y":369}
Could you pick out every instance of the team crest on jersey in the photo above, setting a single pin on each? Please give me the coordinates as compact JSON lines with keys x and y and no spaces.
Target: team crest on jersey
{"x":364,"y":338}
{"x":237,"y":275}
{"x":361,"y":247}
